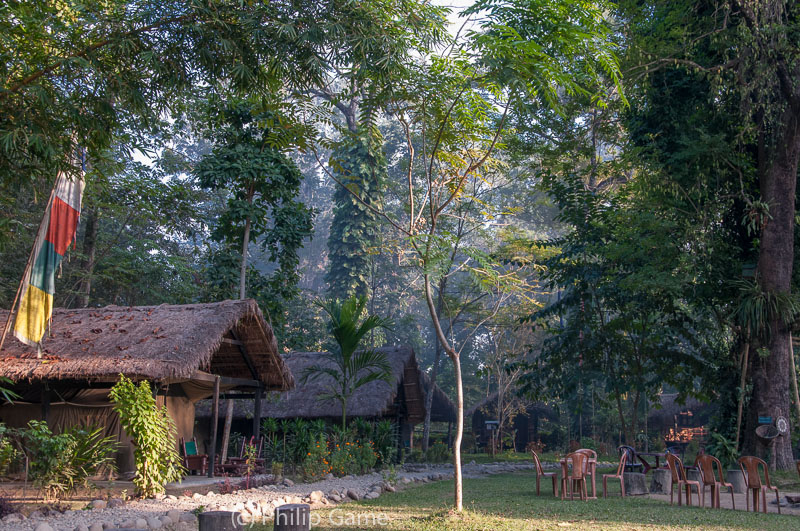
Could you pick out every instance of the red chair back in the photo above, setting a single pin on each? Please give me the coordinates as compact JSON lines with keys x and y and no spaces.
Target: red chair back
{"x":676,"y":467}
{"x":622,"y":462}
{"x":706,"y":465}
{"x":750,"y":466}
{"x":579,"y":461}
{"x":536,"y":462}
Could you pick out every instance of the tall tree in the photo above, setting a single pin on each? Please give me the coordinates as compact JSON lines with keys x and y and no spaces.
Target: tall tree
{"x":746,"y":50}
{"x":526,"y":56}
{"x":261,"y":184}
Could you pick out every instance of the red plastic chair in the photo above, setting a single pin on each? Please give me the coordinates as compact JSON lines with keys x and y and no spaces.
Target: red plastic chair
{"x":577,"y":477}
{"x":706,"y":463}
{"x":619,"y":475}
{"x":679,"y":477}
{"x":540,"y":473}
{"x":755,"y":486}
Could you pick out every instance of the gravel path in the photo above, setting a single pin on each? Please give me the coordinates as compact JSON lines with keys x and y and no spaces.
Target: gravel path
{"x":176,"y":512}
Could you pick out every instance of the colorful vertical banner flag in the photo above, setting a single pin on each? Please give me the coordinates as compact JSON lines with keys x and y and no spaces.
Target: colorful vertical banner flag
{"x":55,"y":236}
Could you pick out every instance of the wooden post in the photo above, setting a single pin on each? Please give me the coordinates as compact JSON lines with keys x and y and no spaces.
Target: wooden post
{"x":220,"y":521}
{"x":226,"y":432}
{"x":212,"y":450}
{"x":257,"y":414}
{"x":293,"y":517}
{"x":46,"y":403}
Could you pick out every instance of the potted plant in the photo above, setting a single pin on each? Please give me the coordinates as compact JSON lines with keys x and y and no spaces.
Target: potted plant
{"x":725,"y":450}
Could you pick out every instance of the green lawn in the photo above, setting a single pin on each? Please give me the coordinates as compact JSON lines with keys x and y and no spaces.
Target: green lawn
{"x":508,"y":502}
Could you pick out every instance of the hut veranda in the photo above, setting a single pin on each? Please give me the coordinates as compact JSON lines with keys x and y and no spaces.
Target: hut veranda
{"x":188,"y":353}
{"x":402,"y":402}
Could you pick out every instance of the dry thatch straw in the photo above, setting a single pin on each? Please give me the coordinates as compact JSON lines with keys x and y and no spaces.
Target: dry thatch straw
{"x":374,"y":400}
{"x":165,"y":343}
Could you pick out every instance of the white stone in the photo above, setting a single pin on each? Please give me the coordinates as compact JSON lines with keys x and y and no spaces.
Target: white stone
{"x":129,"y":524}
{"x":141,"y":523}
{"x":115,"y":503}
{"x":166,"y":520}
{"x":172,"y":497}
{"x":174,"y":514}
{"x":153,"y":523}
{"x":353,"y":495}
{"x":316,"y":495}
{"x":96,"y":527}
{"x":288,"y":482}
{"x":81,"y":527}
{"x":189,"y":518}
{"x":44,"y":526}
{"x":196,"y":496}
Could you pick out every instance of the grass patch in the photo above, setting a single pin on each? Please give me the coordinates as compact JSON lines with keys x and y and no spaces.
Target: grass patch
{"x":509,"y":502}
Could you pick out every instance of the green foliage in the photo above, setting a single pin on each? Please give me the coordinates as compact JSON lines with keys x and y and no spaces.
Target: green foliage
{"x":260,"y":185}
{"x":438,"y":453}
{"x":360,"y":166}
{"x":315,"y":464}
{"x":349,"y":367}
{"x":153,"y":433}
{"x":8,"y":452}
{"x":58,"y":464}
{"x":723,"y":449}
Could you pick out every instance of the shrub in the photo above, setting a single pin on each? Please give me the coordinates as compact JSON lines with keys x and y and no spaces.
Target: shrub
{"x":537,"y":447}
{"x":365,"y":457}
{"x":317,"y":464}
{"x":588,"y":443}
{"x":8,"y":452}
{"x":383,"y":437}
{"x":438,"y":453}
{"x":153,"y":433}
{"x":60,"y":463}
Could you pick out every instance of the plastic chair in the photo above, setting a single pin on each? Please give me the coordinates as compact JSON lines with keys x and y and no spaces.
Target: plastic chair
{"x":540,"y":473}
{"x":752,"y":477}
{"x":619,"y":475}
{"x":630,"y":458}
{"x":679,"y":477}
{"x":592,"y":467}
{"x":578,"y":476}
{"x":708,"y":475}
{"x":192,"y":461}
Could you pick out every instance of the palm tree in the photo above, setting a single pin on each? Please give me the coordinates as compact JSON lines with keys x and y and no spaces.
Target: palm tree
{"x":349,"y":368}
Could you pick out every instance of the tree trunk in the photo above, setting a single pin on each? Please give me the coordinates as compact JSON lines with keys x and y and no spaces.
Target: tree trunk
{"x":426,"y":425}
{"x":245,"y":244}
{"x":453,"y":355}
{"x":226,"y":432}
{"x":742,"y":383}
{"x":458,"y":494}
{"x":771,"y":376}
{"x":625,"y":427}
{"x":89,"y":251}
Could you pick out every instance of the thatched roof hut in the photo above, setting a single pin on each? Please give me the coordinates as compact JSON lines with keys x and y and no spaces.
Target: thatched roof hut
{"x":404,"y":398}
{"x":525,"y":423}
{"x":188,"y":352}
{"x":167,"y":343}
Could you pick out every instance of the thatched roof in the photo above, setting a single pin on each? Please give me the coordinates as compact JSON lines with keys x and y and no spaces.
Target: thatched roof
{"x":486,"y":406}
{"x":166,"y":343}
{"x":373,"y":400}
{"x":662,"y":414}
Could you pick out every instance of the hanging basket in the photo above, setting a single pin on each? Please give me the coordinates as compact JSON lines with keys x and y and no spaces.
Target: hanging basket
{"x":767,"y":432}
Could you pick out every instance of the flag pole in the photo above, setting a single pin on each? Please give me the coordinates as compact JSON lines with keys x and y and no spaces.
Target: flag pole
{"x":28,"y":264}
